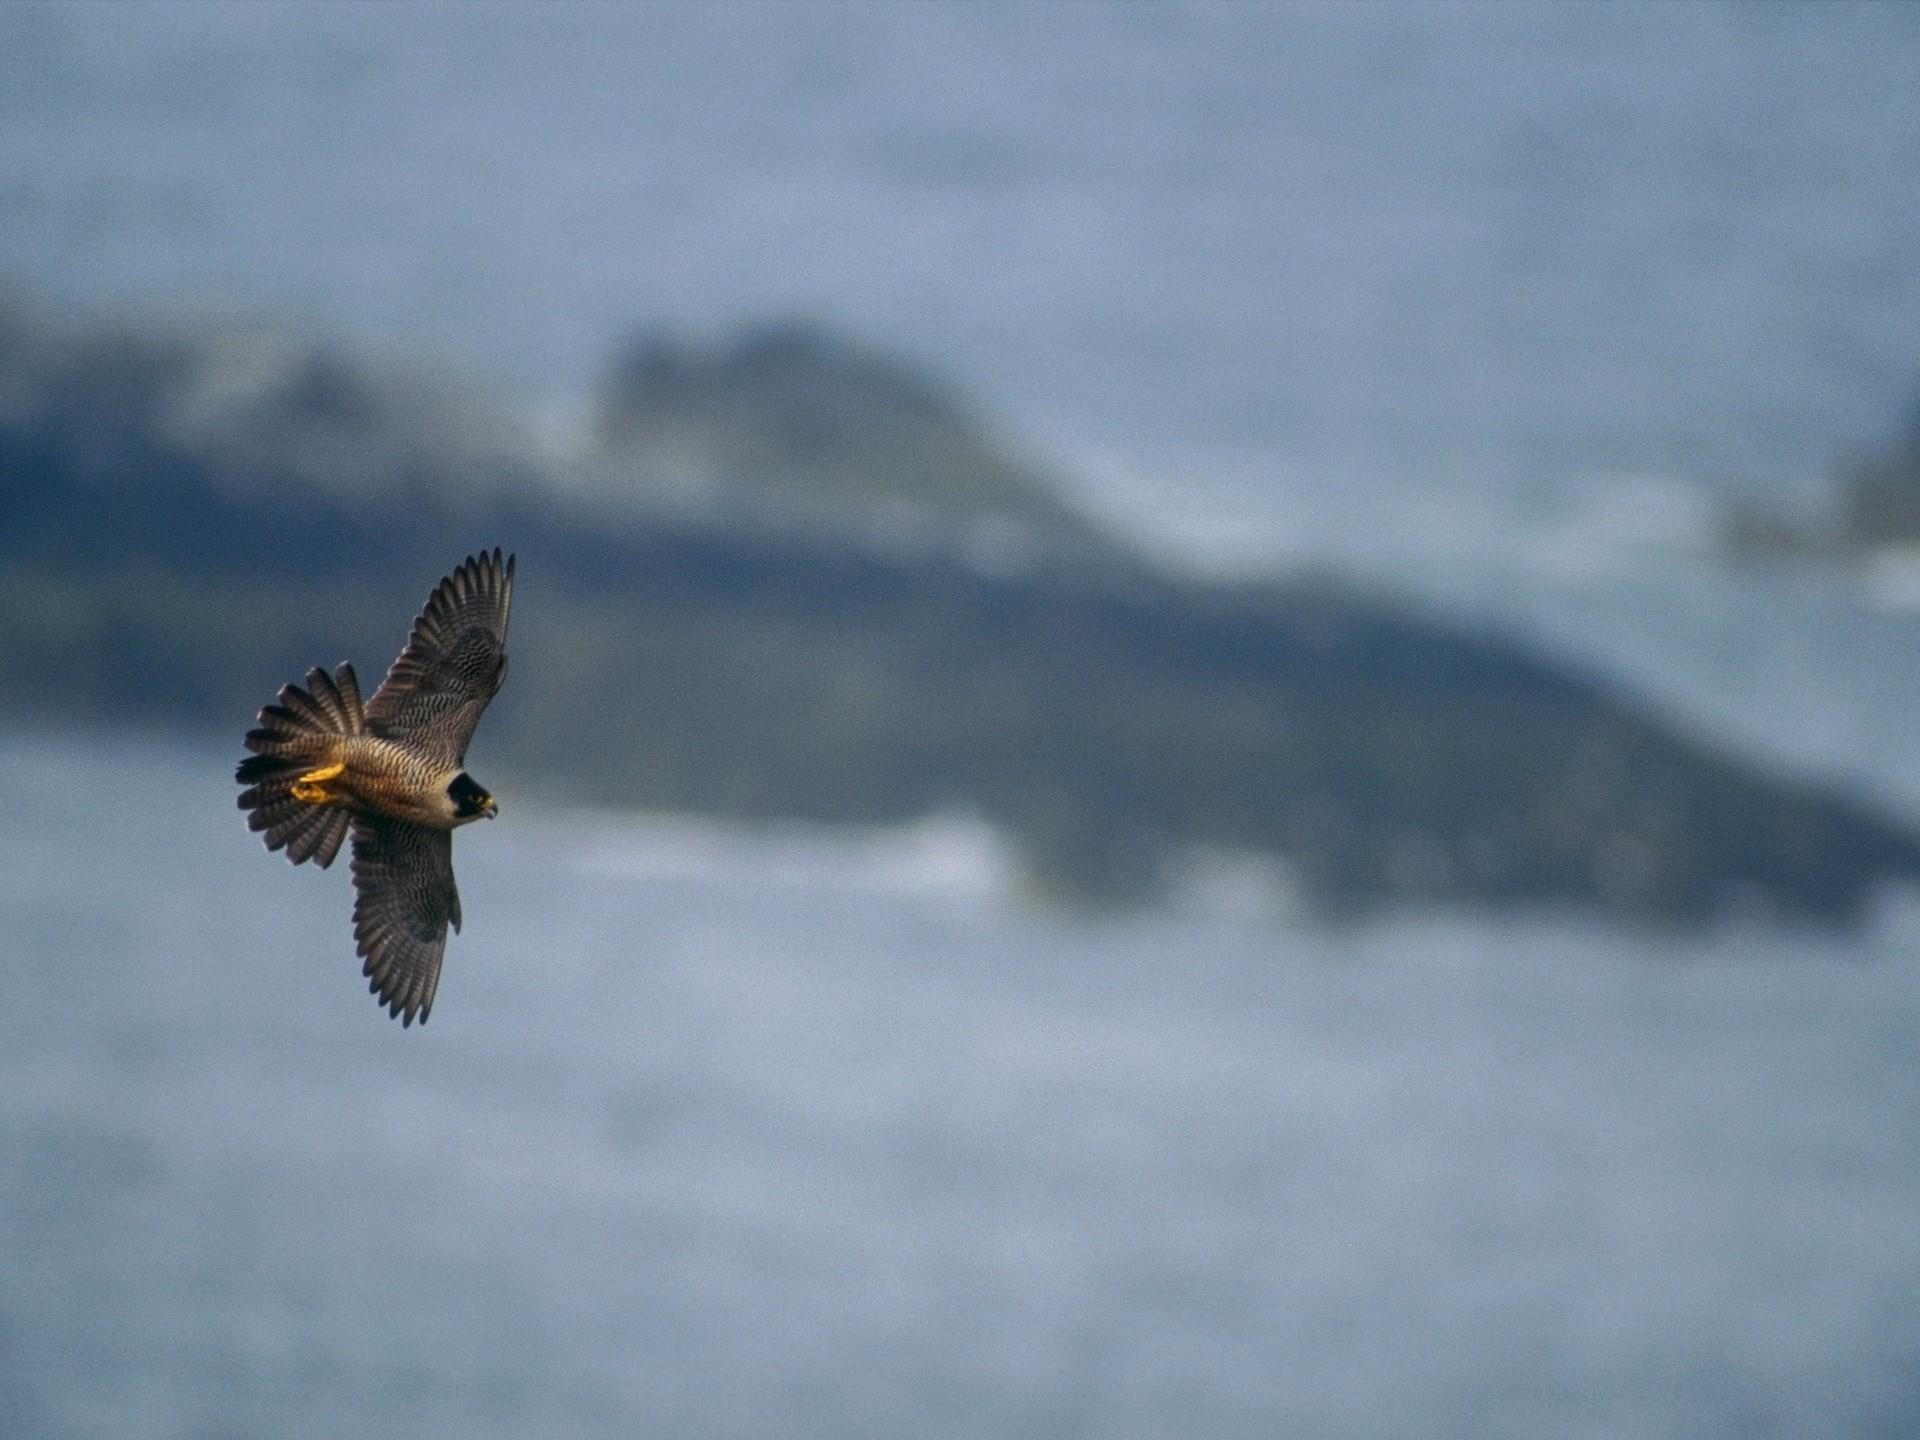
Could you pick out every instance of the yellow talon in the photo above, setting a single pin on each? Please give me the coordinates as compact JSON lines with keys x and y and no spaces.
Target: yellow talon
{"x":311,"y":788}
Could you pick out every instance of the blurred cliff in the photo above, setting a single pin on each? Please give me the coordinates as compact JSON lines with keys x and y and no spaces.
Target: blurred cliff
{"x":783,"y":575}
{"x":1870,"y":522}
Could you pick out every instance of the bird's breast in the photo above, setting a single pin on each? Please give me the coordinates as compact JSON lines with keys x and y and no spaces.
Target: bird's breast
{"x":387,"y":778}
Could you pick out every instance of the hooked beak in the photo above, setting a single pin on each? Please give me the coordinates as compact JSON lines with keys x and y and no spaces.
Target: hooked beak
{"x":493,"y":809}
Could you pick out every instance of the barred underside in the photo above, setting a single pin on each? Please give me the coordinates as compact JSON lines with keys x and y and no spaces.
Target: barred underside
{"x":294,"y":736}
{"x":404,"y":900}
{"x":453,"y":663}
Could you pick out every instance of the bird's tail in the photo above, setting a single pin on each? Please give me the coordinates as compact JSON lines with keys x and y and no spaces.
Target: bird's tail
{"x":294,"y":756}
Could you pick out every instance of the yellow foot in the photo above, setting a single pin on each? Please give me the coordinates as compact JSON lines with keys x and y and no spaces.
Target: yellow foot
{"x":311,"y":787}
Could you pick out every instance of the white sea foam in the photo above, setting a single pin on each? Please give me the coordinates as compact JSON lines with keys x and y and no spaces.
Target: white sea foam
{"x":952,"y":853}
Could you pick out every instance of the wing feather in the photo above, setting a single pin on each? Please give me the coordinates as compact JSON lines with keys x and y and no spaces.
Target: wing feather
{"x":404,"y":899}
{"x":454,"y":662}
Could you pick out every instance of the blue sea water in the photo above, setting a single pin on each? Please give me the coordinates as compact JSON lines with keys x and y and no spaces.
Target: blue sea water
{"x":724,"y":1135}
{"x":716,"y":1136}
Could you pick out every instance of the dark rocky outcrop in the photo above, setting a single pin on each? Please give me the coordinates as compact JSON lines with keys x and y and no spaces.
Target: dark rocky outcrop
{"x":184,"y":524}
{"x":1875,"y":509}
{"x":790,"y":422}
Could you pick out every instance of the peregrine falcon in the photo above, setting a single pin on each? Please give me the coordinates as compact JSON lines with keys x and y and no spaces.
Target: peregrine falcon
{"x":394,"y":772}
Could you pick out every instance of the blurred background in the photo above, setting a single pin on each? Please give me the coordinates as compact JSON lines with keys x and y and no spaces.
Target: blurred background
{"x":1210,"y":729}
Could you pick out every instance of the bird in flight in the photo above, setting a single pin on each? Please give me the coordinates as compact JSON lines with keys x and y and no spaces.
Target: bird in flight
{"x":394,"y":773}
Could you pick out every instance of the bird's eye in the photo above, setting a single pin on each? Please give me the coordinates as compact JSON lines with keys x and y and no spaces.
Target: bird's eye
{"x":465,"y":794}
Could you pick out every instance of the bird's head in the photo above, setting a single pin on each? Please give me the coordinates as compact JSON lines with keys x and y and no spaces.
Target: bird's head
{"x":470,"y":802}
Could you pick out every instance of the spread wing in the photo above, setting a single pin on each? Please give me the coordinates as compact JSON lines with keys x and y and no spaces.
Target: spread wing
{"x":404,"y":899}
{"x":454,"y":661}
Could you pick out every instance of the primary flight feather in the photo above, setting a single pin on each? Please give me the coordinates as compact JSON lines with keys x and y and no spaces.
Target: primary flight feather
{"x":393,"y":773}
